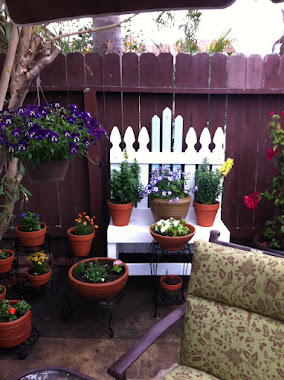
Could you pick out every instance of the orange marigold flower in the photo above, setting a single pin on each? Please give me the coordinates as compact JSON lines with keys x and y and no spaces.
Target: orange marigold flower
{"x":91,"y":222}
{"x":96,"y":226}
{"x":85,"y":223}
{"x":84,"y":213}
{"x":87,"y":217}
{"x":80,"y":215}
{"x":94,"y":217}
{"x":79,"y":220}
{"x":76,"y":220}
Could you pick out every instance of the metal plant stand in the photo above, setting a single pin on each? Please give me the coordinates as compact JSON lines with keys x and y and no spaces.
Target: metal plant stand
{"x":67,"y":308}
{"x":158,"y":255}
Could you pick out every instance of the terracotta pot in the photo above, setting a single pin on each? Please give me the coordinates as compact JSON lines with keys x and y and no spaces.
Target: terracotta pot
{"x":6,"y":264}
{"x":258,"y":241}
{"x":80,"y":244}
{"x":3,"y":295}
{"x":120,"y":213}
{"x":164,"y":209}
{"x":98,"y":291}
{"x":205,"y":214}
{"x":15,"y":332}
{"x":170,"y":291}
{"x":33,"y":238}
{"x":171,"y":243}
{"x":40,"y":279}
{"x":48,"y":171}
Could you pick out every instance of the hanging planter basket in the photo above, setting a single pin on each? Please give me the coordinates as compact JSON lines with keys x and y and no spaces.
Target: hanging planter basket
{"x":48,"y":171}
{"x":164,"y":209}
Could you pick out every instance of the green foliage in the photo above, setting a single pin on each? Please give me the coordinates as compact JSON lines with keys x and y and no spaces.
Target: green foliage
{"x":190,"y":26}
{"x":12,"y":312}
{"x":79,"y":269}
{"x":208,"y":183}
{"x":133,"y":43}
{"x":170,"y":227}
{"x":6,"y":27}
{"x":1,"y":289}
{"x":223,"y":44}
{"x":30,"y":222}
{"x":3,"y":254}
{"x":125,"y":184}
{"x":95,"y":272}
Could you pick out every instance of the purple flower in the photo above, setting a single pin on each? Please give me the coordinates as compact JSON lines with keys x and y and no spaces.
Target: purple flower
{"x":22,"y":215}
{"x":75,"y":136}
{"x":53,"y":136}
{"x":73,"y":148}
{"x":164,"y":193}
{"x":11,"y":147}
{"x":22,"y":145}
{"x":66,"y":133}
{"x":71,"y":120}
{"x":86,"y":142}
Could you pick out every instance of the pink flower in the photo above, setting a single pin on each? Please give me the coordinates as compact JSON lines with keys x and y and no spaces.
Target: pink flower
{"x":117,"y":262}
{"x":271,"y":153}
{"x":272,"y":113}
{"x":252,"y":200}
{"x":282,"y":113}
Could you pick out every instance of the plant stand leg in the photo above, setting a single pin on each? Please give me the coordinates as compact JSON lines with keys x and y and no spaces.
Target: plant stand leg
{"x":111,"y":334}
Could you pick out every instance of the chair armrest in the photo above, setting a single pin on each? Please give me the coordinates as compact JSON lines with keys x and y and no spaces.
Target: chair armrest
{"x":117,"y":370}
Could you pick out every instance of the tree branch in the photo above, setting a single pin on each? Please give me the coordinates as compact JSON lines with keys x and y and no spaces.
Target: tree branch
{"x":92,"y":30}
{"x":42,"y":62}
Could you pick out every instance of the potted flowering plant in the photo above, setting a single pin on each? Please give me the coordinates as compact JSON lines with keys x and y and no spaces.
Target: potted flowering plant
{"x":125,"y":188}
{"x":172,"y":234}
{"x":15,"y":322}
{"x":209,"y":184}
{"x":39,"y":271}
{"x":6,"y":260}
{"x":168,"y":191}
{"x":98,"y":278}
{"x":48,"y":134}
{"x":81,"y":236}
{"x":273,"y":236}
{"x":31,"y":232}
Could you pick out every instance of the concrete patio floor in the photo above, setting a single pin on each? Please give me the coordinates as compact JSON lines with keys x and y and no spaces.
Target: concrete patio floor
{"x":82,"y":342}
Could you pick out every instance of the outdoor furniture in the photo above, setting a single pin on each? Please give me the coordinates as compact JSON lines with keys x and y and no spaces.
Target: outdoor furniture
{"x":135,"y":237}
{"x":234,"y":325}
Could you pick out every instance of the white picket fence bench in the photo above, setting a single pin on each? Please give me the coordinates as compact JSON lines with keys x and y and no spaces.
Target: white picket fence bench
{"x":136,"y":238}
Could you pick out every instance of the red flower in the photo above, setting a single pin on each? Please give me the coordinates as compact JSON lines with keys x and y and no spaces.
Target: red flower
{"x":271,"y":153}
{"x":12,"y":310}
{"x":252,"y":200}
{"x":272,"y":113}
{"x":282,"y":113}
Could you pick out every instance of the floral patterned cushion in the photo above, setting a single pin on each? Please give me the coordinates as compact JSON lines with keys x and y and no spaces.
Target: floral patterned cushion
{"x":183,"y":372}
{"x":231,"y":343}
{"x":249,"y":280}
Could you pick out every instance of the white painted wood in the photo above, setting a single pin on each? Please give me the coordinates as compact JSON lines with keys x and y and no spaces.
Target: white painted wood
{"x":136,"y":238}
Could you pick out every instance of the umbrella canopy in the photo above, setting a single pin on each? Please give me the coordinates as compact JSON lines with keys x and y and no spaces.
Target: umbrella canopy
{"x":27,"y":12}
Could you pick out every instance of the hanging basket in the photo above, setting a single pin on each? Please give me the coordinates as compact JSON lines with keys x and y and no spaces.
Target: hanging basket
{"x":164,"y":209}
{"x":48,"y":171}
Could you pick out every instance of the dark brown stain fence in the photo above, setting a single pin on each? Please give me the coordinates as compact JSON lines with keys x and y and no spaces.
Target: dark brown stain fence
{"x":236,"y":93}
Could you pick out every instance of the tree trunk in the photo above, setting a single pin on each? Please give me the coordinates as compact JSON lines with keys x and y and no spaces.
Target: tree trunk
{"x":109,"y":40}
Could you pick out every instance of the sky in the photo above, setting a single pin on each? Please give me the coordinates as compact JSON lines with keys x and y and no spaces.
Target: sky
{"x":255,"y":26}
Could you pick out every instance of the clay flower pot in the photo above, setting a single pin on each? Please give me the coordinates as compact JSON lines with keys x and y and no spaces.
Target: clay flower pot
{"x":171,"y":284}
{"x":3,"y":294}
{"x":39,"y":280}
{"x":120,"y":213}
{"x":95,"y":291}
{"x":164,"y":209}
{"x":171,"y":243}
{"x":15,"y":332}
{"x":33,"y":238}
{"x":205,"y":214}
{"x":80,"y":244}
{"x":6,"y":264}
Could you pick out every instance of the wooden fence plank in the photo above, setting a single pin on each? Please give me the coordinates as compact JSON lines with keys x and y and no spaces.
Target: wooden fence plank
{"x":75,"y":69}
{"x":200,"y":68}
{"x":219,"y":70}
{"x":94,"y":69}
{"x":165,"y":70}
{"x":184,"y":70}
{"x":148,"y":70}
{"x":130,"y":77}
{"x":111,"y":70}
{"x":236,"y":71}
{"x":254,"y":71}
{"x":271,"y":67}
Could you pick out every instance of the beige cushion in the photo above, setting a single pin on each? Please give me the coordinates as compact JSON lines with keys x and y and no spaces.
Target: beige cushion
{"x":231,"y":343}
{"x":249,"y":280}
{"x":183,"y":372}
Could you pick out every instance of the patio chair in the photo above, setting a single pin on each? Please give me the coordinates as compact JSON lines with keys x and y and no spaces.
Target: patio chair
{"x":234,"y":318}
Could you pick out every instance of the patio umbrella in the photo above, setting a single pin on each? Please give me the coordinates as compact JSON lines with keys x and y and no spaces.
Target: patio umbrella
{"x":27,"y":12}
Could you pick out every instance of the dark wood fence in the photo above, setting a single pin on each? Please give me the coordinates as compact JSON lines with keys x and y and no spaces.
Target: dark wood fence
{"x":236,"y":93}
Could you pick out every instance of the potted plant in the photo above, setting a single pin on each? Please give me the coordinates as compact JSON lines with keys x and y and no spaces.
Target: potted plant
{"x":209,"y":184}
{"x":45,"y":137}
{"x":6,"y":260}
{"x":31,"y":232}
{"x":171,"y":285}
{"x":98,"y":278}
{"x":125,"y":188}
{"x":3,"y":291}
{"x":168,"y":191}
{"x":81,"y":236}
{"x":15,"y":322}
{"x":273,"y":236}
{"x":39,"y":272}
{"x":172,"y":234}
